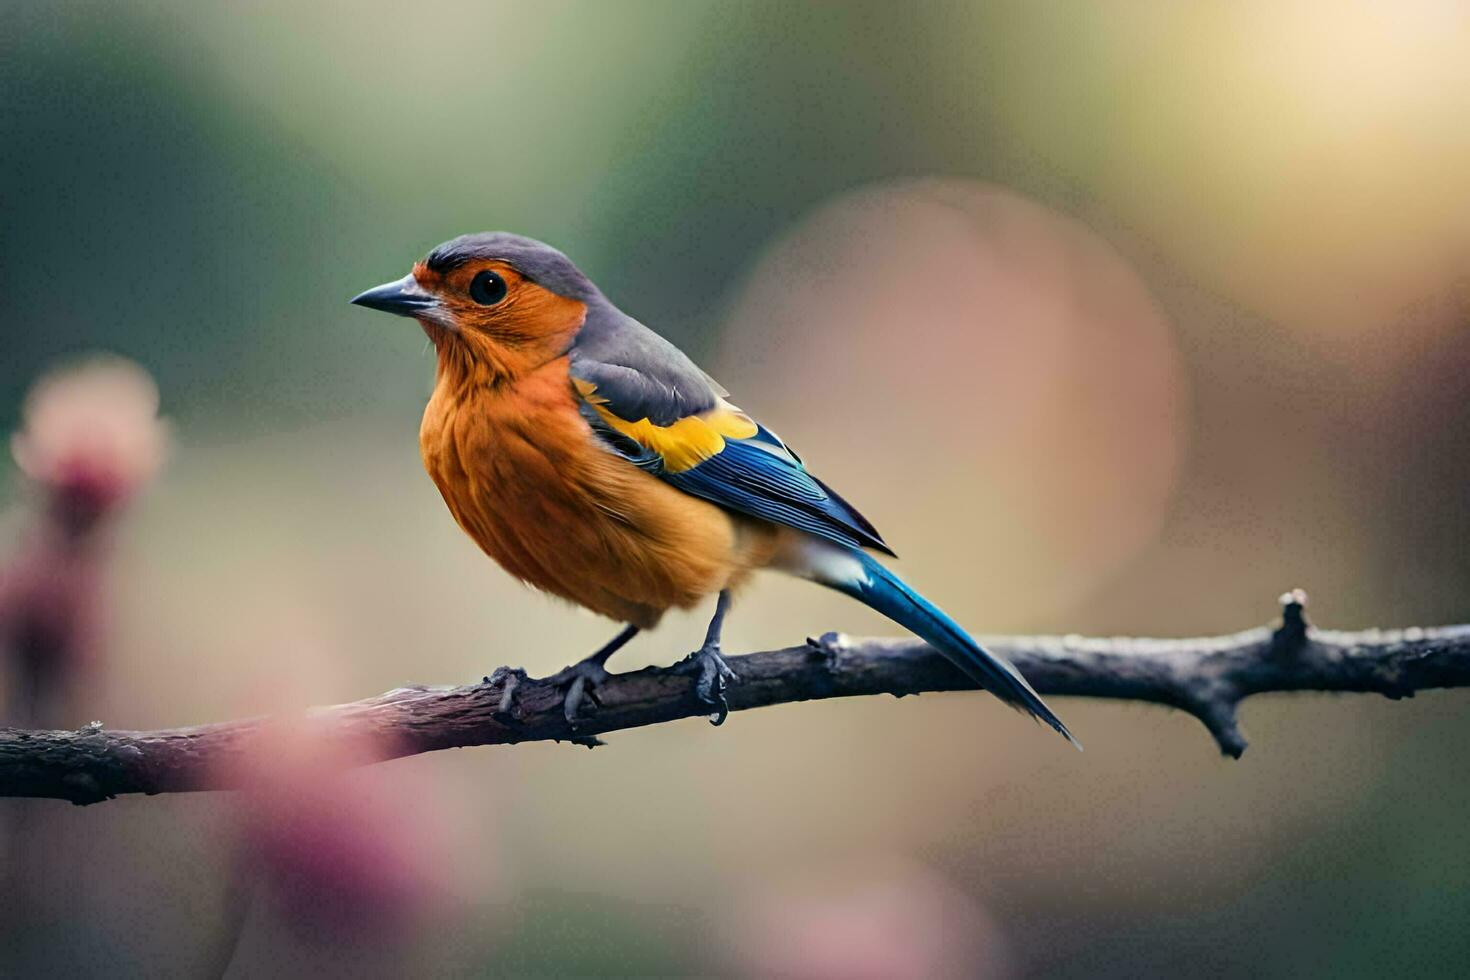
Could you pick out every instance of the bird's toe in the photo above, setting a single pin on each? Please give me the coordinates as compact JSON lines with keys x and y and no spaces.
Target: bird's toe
{"x":581,"y":680}
{"x":712,"y":678}
{"x":509,"y":680}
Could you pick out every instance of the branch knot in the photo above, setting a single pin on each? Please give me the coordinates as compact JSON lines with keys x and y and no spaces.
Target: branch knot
{"x":1290,"y":638}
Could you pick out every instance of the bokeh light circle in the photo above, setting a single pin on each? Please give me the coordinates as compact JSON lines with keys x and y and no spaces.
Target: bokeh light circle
{"x":987,"y":379}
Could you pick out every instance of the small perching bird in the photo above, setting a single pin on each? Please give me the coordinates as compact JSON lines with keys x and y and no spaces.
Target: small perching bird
{"x":592,"y":459}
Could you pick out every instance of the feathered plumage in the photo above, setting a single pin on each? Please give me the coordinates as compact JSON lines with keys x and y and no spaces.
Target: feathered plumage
{"x":591,"y":458}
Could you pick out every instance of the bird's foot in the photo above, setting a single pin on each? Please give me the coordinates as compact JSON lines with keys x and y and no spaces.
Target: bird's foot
{"x":509,"y":679}
{"x":580,"y":680}
{"x":712,"y":676}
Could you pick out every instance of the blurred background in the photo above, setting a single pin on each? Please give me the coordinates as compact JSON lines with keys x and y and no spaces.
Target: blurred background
{"x":1116,"y":318}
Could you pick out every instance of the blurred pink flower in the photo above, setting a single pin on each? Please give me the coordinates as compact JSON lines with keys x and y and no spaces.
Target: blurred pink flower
{"x":91,"y":437}
{"x":888,"y":920}
{"x":345,"y":852}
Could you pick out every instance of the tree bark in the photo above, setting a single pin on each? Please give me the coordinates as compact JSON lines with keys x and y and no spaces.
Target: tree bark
{"x":1207,"y":677}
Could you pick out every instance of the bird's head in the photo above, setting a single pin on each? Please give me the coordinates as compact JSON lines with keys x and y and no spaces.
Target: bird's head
{"x":494,"y":304}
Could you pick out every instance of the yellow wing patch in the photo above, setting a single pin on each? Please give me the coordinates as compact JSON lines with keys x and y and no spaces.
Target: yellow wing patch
{"x":683,"y":444}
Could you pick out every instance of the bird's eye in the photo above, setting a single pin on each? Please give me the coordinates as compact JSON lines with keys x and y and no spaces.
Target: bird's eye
{"x":487,"y":288}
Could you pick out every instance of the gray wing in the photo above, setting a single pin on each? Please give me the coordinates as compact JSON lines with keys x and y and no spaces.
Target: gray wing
{"x":634,"y":374}
{"x":641,"y":375}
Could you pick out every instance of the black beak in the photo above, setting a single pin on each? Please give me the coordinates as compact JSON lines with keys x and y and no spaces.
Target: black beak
{"x":402,"y":296}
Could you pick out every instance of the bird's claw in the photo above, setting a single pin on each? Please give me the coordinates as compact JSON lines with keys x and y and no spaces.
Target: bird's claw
{"x":581,"y":680}
{"x":509,"y":679}
{"x":712,"y":678}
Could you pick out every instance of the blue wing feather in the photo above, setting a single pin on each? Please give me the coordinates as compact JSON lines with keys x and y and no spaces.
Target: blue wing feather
{"x":759,"y":476}
{"x":638,"y":375}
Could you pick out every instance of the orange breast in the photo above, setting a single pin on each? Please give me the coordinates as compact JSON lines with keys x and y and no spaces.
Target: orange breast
{"x":524,"y":476}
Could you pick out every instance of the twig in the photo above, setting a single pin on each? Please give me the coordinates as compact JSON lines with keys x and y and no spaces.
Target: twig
{"x":1207,"y":677}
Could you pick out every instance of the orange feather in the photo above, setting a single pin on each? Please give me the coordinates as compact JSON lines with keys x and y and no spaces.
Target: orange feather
{"x":522,"y":473}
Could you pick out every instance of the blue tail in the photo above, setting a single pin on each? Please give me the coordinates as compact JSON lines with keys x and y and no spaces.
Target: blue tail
{"x":878,"y":588}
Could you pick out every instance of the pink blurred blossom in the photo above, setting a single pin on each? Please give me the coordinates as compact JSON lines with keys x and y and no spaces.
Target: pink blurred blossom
{"x":344,"y":852}
{"x":886,"y":920}
{"x":91,"y":437}
{"x":90,"y":440}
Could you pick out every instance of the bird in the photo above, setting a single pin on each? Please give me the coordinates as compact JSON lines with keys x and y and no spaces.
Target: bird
{"x":593,"y":460}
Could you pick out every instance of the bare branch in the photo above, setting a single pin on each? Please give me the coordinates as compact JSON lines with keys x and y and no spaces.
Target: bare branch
{"x":1207,"y":677}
